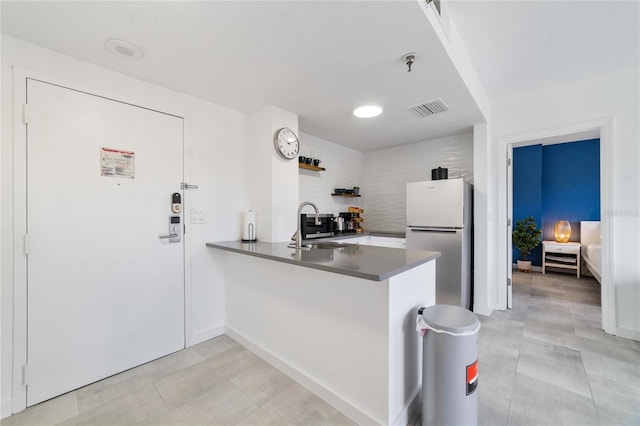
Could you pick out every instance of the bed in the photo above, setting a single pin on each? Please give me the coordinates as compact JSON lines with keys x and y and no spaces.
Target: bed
{"x":591,"y":249}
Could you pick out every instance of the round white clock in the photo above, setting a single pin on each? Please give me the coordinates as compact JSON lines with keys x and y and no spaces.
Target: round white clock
{"x":286,"y":143}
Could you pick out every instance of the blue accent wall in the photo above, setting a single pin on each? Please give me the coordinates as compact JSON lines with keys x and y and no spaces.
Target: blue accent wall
{"x":570,"y":185}
{"x":556,"y":182}
{"x":527,"y":191}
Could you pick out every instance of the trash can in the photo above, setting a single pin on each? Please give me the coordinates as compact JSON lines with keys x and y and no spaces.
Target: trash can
{"x":450,"y":365}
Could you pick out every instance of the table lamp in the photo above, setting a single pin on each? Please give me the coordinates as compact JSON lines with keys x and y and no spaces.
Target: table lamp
{"x":562,"y":231}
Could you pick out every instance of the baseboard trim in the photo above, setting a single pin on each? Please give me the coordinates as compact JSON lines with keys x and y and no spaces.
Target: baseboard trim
{"x":411,"y":409}
{"x":6,"y":408}
{"x":204,"y":335}
{"x":628,"y":333}
{"x":300,"y":377}
{"x":482,"y":310}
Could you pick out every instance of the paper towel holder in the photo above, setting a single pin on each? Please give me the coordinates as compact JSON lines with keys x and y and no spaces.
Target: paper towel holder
{"x":249,"y":230}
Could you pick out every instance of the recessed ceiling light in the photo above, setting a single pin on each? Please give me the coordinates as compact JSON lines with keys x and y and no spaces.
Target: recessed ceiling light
{"x":123,"y":48}
{"x":367,"y":111}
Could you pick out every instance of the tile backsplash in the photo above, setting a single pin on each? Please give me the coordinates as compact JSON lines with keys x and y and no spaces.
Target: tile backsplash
{"x":381,"y":175}
{"x":387,"y":171}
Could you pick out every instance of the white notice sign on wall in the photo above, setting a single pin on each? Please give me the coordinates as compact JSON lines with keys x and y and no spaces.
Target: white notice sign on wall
{"x":116,"y":162}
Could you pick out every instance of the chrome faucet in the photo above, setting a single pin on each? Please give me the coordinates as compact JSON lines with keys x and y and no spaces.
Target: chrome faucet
{"x":299,"y":231}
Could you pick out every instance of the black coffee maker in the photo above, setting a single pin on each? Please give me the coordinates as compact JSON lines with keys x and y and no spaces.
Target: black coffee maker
{"x":439,"y":173}
{"x":350,"y":223}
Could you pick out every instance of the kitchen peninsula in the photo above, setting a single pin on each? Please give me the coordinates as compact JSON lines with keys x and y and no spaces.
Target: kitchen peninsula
{"x":339,"y":320}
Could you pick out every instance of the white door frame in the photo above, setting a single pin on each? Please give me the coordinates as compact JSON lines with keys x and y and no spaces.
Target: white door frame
{"x":18,"y":84}
{"x":605,"y":127}
{"x":509,"y":161}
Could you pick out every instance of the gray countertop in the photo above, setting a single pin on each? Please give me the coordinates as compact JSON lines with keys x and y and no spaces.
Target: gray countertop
{"x":361,"y":261}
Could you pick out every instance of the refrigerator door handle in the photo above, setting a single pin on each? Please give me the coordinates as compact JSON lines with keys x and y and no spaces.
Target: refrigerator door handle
{"x":447,"y":230}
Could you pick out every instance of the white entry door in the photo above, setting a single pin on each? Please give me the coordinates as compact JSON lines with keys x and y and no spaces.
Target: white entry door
{"x":105,"y":293}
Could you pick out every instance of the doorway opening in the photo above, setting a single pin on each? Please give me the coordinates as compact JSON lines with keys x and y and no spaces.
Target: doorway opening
{"x":580,"y":132}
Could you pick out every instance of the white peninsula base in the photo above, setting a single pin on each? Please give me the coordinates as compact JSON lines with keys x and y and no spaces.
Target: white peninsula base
{"x":350,"y":340}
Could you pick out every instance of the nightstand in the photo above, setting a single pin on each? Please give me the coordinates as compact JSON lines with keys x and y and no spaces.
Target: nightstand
{"x":561,"y":255}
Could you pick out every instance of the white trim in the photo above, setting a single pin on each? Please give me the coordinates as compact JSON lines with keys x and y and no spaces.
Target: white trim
{"x":509,"y":225}
{"x":413,"y":406}
{"x":627,"y":333}
{"x":19,"y":396}
{"x":605,"y":127}
{"x":204,"y":335}
{"x":186,"y":207}
{"x":608,"y":290}
{"x":5,"y":408}
{"x":482,"y":310}
{"x":18,"y":85}
{"x":318,"y":389}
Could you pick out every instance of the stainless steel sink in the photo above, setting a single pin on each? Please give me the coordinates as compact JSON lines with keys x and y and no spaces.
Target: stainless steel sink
{"x":327,"y":245}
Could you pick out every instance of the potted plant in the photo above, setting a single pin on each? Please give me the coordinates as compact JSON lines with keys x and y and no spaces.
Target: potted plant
{"x":526,"y":237}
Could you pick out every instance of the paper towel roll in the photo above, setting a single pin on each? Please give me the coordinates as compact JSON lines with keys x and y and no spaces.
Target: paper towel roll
{"x":249,"y":226}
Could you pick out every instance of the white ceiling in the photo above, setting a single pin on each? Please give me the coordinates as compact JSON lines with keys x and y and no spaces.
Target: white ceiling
{"x":522,"y":46}
{"x":318,"y":59}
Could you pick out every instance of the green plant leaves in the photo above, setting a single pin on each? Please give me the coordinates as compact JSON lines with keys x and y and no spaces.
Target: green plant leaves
{"x":526,"y":236}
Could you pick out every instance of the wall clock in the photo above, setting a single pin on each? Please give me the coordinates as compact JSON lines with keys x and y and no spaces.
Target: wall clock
{"x":286,"y":143}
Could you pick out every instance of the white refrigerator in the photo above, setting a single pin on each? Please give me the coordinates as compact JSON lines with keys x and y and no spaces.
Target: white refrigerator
{"x":439,"y":218}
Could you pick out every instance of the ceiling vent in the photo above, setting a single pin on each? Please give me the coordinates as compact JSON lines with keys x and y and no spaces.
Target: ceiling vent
{"x":429,"y":108}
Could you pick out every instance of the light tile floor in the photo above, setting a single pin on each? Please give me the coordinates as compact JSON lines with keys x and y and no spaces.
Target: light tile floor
{"x":545,"y":362}
{"x":548,"y":362}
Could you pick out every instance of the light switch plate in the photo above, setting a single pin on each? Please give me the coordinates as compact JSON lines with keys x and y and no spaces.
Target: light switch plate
{"x":197,"y":216}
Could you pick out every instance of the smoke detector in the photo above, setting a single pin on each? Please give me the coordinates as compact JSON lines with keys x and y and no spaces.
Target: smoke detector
{"x":123,"y":48}
{"x":408,"y":59}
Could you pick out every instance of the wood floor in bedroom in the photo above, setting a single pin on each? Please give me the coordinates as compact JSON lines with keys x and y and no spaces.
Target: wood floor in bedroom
{"x":544,"y":362}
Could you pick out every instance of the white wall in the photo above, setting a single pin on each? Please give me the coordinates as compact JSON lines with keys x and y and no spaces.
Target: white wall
{"x":311,"y":326}
{"x":614,"y":96}
{"x":447,"y":32}
{"x":343,"y":170}
{"x":273,"y":180}
{"x":386,"y":172}
{"x":485,"y":296}
{"x":215,"y":143}
{"x":6,"y":243}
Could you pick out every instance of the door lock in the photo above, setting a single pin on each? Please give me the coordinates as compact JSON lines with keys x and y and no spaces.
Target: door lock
{"x":176,"y":203}
{"x":174,"y":230}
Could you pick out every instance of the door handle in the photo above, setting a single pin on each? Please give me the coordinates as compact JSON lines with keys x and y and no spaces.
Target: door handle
{"x":168,"y":236}
{"x":447,"y":230}
{"x":174,"y":230}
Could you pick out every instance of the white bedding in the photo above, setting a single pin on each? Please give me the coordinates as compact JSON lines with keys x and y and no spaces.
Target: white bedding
{"x":594,"y":255}
{"x":591,"y":249}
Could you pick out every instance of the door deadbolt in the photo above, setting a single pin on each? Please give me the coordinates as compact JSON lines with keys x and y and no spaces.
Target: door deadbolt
{"x":176,"y":202}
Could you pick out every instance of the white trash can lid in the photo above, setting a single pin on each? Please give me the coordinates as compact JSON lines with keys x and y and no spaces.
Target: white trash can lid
{"x":449,"y":319}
